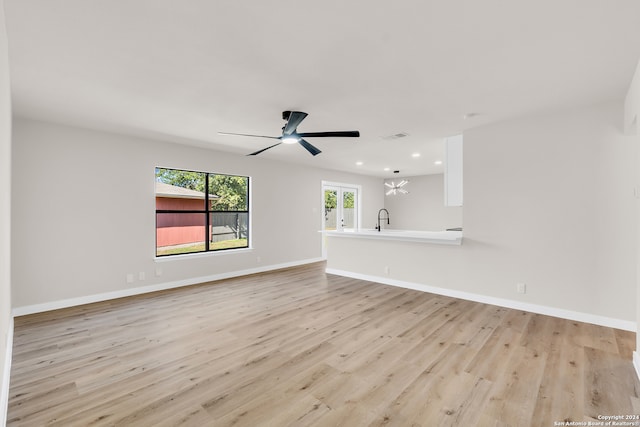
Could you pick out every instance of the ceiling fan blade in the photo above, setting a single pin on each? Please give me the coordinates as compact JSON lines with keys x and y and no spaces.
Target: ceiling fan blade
{"x":310,"y":148}
{"x":246,"y":134}
{"x":264,"y":149}
{"x":339,"y":134}
{"x":295,"y":117}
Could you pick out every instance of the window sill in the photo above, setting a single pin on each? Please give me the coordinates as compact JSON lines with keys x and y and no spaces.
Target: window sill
{"x":201,"y":254}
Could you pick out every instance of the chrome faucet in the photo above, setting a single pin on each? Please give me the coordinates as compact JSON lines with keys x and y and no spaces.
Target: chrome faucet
{"x":379,"y":218}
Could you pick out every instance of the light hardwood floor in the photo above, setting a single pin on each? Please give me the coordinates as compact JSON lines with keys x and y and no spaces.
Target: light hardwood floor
{"x":299,"y":347}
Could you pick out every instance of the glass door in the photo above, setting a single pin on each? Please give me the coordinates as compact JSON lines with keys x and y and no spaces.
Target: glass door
{"x":340,"y":209}
{"x":330,"y":209}
{"x":348,"y":220}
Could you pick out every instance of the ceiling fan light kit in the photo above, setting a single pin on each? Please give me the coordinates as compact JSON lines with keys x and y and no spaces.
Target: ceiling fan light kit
{"x":290,"y":134}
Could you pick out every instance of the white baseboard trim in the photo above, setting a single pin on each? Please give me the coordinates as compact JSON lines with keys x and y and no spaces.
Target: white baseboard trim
{"x":72,"y":302}
{"x":636,"y":363}
{"x":502,"y":302}
{"x":6,"y":375}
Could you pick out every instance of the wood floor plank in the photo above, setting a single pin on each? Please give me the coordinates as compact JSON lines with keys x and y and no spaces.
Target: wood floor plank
{"x":514,"y":394}
{"x":626,"y":342}
{"x":606,"y":377}
{"x":490,"y":361}
{"x":301,"y":347}
{"x":562,"y":377}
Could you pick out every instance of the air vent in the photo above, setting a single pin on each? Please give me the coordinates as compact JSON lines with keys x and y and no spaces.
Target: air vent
{"x":396,"y":135}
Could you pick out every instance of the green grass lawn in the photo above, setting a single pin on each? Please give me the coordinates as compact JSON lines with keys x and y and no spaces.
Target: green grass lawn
{"x":199,"y":247}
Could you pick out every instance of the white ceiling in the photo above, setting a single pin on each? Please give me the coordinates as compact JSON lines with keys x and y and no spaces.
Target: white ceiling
{"x":184,"y":70}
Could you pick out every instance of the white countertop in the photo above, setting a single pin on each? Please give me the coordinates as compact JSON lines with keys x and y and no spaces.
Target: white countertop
{"x":437,"y":237}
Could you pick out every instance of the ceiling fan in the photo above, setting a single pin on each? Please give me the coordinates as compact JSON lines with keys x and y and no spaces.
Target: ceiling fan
{"x":290,"y":133}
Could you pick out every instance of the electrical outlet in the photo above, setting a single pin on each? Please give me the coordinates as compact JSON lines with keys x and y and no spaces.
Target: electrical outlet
{"x":129,"y":277}
{"x":521,"y":288}
{"x":158,"y":271}
{"x":386,"y":269}
{"x":258,"y":259}
{"x":142,"y":275}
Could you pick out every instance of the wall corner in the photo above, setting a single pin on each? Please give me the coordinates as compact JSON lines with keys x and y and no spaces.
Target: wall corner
{"x":632,"y":105}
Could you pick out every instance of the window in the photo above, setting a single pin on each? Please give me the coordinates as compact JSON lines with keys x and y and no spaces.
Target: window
{"x":190,"y":219}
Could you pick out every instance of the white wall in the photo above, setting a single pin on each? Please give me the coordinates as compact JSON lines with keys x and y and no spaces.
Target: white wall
{"x":423,"y":207}
{"x":551,"y":197}
{"x":632,"y":127}
{"x":83,"y":212}
{"x":548,"y":202}
{"x":632,"y":105}
{"x":5,"y":218}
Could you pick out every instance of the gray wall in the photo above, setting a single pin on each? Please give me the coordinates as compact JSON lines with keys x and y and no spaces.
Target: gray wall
{"x":423,"y":207}
{"x":84,"y":212}
{"x":551,"y":199}
{"x":632,"y":127}
{"x":5,"y":216}
{"x":549,"y":202}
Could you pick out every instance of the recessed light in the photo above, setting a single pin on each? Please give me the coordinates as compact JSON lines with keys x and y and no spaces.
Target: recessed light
{"x":437,"y":162}
{"x":386,"y":169}
{"x":414,"y":155}
{"x":359,"y":163}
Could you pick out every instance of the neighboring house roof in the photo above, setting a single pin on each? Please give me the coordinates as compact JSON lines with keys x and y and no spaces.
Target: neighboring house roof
{"x":175,"y":192}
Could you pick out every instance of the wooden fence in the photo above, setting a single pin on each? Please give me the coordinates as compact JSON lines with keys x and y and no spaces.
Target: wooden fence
{"x":228,"y":225}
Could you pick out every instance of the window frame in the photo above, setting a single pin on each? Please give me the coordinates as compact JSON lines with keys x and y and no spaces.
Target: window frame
{"x":207,"y":211}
